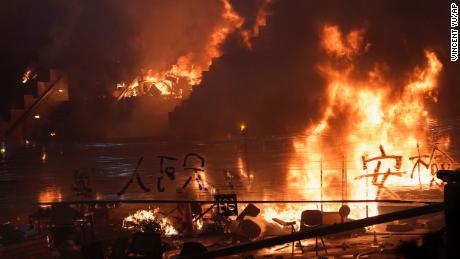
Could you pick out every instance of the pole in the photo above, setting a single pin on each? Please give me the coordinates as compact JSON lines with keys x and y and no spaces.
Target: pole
{"x":418,"y":167}
{"x":452,"y":209}
{"x":245,"y":150}
{"x":76,"y":202}
{"x":321,"y":182}
{"x":320,"y":231}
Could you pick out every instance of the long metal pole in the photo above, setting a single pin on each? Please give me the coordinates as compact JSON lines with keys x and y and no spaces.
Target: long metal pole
{"x":321,"y":176}
{"x":76,"y":202}
{"x":321,"y":231}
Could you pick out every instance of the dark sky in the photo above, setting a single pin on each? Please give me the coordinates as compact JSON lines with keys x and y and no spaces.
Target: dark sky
{"x":275,"y":85}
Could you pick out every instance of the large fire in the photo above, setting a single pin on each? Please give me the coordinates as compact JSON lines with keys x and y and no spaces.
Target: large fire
{"x":190,"y":67}
{"x":369,"y":136}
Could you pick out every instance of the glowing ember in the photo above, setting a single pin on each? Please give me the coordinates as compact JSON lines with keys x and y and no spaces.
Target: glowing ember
{"x":198,"y":225}
{"x":368,"y":134}
{"x":27,"y":76}
{"x":141,"y":218}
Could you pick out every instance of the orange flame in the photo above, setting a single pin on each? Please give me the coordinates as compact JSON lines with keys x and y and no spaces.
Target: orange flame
{"x":261,"y":21}
{"x":192,"y":65}
{"x":50,"y":194}
{"x":134,"y":220}
{"x":360,"y":116}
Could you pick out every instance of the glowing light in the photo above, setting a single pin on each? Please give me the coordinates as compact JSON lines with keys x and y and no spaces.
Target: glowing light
{"x":2,"y":150}
{"x":199,"y":225}
{"x":52,"y":134}
{"x":136,"y":220}
{"x":50,"y":194}
{"x":60,"y":90}
{"x":44,"y":156}
{"x":26,"y":76}
{"x":242,"y":127}
{"x":36,"y":116}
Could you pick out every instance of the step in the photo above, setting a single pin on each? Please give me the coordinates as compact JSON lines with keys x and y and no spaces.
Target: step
{"x":28,"y":100}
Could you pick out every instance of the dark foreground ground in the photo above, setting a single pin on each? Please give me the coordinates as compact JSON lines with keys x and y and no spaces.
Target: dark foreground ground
{"x":100,"y":171}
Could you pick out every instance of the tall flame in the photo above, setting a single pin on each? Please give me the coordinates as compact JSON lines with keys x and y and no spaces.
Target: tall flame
{"x":368,"y":134}
{"x":188,"y":66}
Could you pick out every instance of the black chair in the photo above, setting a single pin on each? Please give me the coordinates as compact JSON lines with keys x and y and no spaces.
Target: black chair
{"x":311,"y":219}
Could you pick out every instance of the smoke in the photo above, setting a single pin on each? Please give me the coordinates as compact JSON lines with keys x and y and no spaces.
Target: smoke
{"x":98,"y":44}
{"x":102,"y":43}
{"x":275,"y":87}
{"x":265,"y":76}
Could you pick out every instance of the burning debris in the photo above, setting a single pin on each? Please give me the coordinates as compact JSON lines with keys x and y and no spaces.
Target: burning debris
{"x":178,"y":80}
{"x":355,"y":150}
{"x":149,"y":221}
{"x":28,"y":75}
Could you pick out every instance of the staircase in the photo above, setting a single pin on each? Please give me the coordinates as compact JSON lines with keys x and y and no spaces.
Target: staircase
{"x":36,"y":111}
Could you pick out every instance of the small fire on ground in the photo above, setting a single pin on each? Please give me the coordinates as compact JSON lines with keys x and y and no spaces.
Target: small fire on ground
{"x":141,"y":219}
